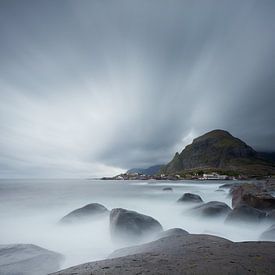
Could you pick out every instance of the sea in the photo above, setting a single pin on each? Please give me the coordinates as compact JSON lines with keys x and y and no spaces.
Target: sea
{"x":31,"y":208}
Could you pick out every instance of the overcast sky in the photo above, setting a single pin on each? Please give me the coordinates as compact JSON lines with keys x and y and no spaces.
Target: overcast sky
{"x":90,"y":88}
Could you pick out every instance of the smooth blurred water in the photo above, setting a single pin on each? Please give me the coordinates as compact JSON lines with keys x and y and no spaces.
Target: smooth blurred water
{"x":30,"y":210}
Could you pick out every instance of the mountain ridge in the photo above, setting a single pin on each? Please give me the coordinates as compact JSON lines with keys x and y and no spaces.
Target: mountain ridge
{"x":219,"y":150}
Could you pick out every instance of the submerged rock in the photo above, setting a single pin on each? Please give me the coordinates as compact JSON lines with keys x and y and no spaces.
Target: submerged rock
{"x":167,"y":189}
{"x":244,"y":213}
{"x":185,"y":254}
{"x":86,"y":213}
{"x":269,"y":234}
{"x":126,"y":224}
{"x":171,"y":232}
{"x":189,"y":197}
{"x":28,"y":259}
{"x":212,"y":209}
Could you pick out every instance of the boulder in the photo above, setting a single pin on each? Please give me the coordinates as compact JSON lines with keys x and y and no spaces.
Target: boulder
{"x":185,"y":254}
{"x":171,"y":232}
{"x":28,"y":259}
{"x":212,"y":209}
{"x":131,"y":225}
{"x":244,"y":213}
{"x":167,"y":189}
{"x":269,"y":234}
{"x":189,"y":197}
{"x":86,"y":213}
{"x":253,"y":194}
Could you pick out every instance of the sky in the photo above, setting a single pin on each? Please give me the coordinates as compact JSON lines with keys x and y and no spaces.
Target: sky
{"x":93,"y":88}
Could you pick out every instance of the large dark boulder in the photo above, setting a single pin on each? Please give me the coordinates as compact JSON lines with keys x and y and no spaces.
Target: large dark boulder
{"x":212,"y":209}
{"x":126,"y":224}
{"x":269,"y":234}
{"x":185,"y":254}
{"x":244,"y":213}
{"x":254,"y":194}
{"x":28,"y":259}
{"x":189,"y":197}
{"x":86,"y":213}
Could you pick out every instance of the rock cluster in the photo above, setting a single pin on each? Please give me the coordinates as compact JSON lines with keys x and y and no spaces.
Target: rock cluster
{"x":254,"y":203}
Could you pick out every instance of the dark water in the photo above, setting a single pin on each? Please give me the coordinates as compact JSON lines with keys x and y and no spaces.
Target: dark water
{"x":30,"y":210}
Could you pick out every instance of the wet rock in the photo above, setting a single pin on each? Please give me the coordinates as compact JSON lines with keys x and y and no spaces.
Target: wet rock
{"x":185,"y":254}
{"x":28,"y":259}
{"x":189,"y":197}
{"x":244,"y":213}
{"x":269,"y":234}
{"x":171,"y":232}
{"x":253,"y":194}
{"x":126,"y":224}
{"x":86,"y":213}
{"x":167,"y":189}
{"x":212,"y":209}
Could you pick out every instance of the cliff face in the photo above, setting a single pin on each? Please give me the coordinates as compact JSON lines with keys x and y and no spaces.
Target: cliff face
{"x":218,"y":149}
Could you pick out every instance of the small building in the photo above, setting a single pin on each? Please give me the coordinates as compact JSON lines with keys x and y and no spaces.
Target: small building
{"x":214,"y":176}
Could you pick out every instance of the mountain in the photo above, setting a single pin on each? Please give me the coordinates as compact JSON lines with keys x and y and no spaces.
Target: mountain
{"x":146,"y":171}
{"x":218,"y":150}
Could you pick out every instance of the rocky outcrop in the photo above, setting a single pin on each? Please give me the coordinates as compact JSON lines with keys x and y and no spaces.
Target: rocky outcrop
{"x":28,"y":259}
{"x":126,"y":224}
{"x":255,"y":195}
{"x":244,"y":213}
{"x":86,"y":213}
{"x":211,"y":209}
{"x":185,"y":254}
{"x":189,"y":197}
{"x":269,"y":234}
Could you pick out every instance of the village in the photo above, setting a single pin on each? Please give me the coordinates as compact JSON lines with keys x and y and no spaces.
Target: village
{"x":195,"y":176}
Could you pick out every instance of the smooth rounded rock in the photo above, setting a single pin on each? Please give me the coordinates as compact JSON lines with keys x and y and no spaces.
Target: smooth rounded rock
{"x":86,"y":213}
{"x":28,"y":259}
{"x":126,"y":224}
{"x":171,"y":232}
{"x":212,"y":209}
{"x":244,"y":213}
{"x":189,"y":197}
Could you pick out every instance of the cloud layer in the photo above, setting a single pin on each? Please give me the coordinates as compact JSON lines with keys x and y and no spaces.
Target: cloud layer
{"x":93,"y":87}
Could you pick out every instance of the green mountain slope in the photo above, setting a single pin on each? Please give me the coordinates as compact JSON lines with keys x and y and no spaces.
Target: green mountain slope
{"x":218,"y":150}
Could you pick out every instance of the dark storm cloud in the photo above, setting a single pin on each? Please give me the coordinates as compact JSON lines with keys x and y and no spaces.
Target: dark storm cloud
{"x":91,"y":87}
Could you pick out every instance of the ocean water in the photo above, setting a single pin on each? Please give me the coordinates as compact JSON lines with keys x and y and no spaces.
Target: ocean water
{"x":30,"y":211}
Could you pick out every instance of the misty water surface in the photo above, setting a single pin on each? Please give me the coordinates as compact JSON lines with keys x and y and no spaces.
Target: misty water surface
{"x":31,"y":209}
